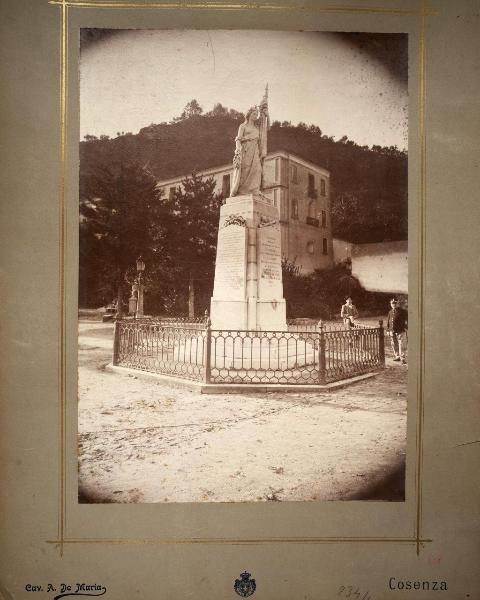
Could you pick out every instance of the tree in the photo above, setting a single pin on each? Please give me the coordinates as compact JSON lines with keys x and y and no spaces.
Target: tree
{"x":218,"y":111}
{"x":193,"y":246}
{"x":235,"y":114}
{"x":121,"y":218}
{"x":346,"y":214}
{"x":192,"y":109}
{"x":315,"y":129}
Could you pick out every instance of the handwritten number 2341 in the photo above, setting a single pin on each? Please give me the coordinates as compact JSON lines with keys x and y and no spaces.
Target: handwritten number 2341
{"x":355,"y":594}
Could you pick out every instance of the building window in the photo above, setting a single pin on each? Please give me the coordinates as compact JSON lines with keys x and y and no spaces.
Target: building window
{"x":312,"y":192}
{"x":171,"y":193}
{"x":323,"y":187}
{"x":294,"y":209}
{"x":226,"y":186}
{"x":311,"y":216}
{"x":325,"y":246}
{"x":324,"y":219}
{"x":294,"y":174}
{"x":310,"y":247}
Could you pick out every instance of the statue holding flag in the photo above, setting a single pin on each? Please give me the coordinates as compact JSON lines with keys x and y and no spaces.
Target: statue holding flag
{"x":250,"y":150}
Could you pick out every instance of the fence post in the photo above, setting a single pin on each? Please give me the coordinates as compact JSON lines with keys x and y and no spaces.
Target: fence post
{"x":116,"y":342}
{"x":208,"y":347}
{"x":381,"y":342}
{"x":321,"y":354}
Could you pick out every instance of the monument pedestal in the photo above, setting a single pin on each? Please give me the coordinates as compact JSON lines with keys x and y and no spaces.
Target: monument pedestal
{"x":248,"y":291}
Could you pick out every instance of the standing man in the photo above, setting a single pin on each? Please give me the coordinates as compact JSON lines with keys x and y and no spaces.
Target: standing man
{"x":397,"y":325}
{"x":349,"y":313}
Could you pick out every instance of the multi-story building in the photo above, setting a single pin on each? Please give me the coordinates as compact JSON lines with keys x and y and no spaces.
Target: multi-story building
{"x":301,"y":191}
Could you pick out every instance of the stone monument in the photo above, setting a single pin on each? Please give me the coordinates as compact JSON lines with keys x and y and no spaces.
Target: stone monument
{"x":248,"y":290}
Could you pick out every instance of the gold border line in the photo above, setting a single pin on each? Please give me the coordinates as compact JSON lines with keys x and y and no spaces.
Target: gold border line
{"x":240,"y":6}
{"x":62,"y":240}
{"x":61,"y":539}
{"x":421,"y":274}
{"x":254,"y":541}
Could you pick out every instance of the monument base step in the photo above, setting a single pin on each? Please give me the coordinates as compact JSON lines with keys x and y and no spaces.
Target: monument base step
{"x":239,"y":388}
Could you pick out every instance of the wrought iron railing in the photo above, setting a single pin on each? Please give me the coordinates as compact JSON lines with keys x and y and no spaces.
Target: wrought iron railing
{"x":302,"y":355}
{"x":161,"y":347}
{"x":352,"y":352}
{"x":189,"y":322}
{"x":264,"y":357}
{"x":295,"y":325}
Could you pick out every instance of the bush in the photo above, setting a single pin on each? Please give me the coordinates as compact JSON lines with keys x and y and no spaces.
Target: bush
{"x":320,"y":295}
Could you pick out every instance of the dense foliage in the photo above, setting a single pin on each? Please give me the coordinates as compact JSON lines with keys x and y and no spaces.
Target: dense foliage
{"x":186,"y":272}
{"x":123,"y":216}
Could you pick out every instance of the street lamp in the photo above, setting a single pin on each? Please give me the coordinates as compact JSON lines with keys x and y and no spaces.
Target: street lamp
{"x":140,"y":265}
{"x":140,"y":270}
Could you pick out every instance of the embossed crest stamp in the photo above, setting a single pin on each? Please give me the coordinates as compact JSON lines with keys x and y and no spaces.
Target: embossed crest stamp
{"x":245,"y":586}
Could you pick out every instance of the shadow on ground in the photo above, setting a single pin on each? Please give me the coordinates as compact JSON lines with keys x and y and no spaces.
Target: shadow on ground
{"x":390,"y":489}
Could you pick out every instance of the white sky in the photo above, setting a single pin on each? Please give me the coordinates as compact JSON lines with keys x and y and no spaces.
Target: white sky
{"x":141,"y":77}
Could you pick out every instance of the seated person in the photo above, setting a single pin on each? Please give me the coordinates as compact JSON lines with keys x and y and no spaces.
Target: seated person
{"x":349,"y":313}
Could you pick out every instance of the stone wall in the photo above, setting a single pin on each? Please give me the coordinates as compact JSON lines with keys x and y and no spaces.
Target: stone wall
{"x":381,"y":267}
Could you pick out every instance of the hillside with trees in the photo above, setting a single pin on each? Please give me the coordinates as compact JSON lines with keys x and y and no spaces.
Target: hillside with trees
{"x":368,"y":185}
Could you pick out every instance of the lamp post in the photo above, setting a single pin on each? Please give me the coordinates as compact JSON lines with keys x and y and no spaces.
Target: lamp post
{"x":140,"y":270}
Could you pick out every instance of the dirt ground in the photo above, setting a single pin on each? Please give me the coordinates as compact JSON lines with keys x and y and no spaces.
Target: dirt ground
{"x":144,"y":440}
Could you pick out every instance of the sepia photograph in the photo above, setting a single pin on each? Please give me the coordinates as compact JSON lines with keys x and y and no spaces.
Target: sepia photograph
{"x":239,"y":248}
{"x":243,"y":266}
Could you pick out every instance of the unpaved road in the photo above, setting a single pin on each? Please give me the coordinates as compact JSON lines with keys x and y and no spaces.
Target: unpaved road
{"x":143,"y":440}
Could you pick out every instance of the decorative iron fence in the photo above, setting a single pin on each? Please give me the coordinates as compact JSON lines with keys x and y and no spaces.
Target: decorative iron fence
{"x":302,"y":355}
{"x":313,"y":325}
{"x":161,"y":347}
{"x":264,"y":357}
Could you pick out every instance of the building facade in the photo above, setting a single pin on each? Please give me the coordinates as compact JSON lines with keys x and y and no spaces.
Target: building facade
{"x":301,"y":191}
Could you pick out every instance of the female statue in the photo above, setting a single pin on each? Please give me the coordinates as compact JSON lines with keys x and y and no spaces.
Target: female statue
{"x":250,"y":150}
